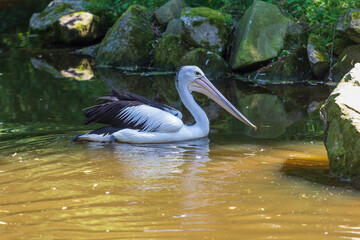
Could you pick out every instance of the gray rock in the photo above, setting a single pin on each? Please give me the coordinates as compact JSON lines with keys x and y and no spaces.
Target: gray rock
{"x":341,"y":115}
{"x":318,"y":57}
{"x":57,"y":8}
{"x":66,"y":21}
{"x":89,"y":51}
{"x":345,"y":62}
{"x":173,"y":27}
{"x":129,"y":42}
{"x":206,"y":28}
{"x":172,"y":9}
{"x":259,"y":36}
{"x":292,"y":68}
{"x":349,"y":24}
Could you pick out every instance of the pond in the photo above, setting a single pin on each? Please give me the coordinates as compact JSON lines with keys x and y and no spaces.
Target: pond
{"x":237,"y":183}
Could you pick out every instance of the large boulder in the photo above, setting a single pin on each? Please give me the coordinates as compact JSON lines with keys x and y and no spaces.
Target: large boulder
{"x":292,"y":68}
{"x":259,"y":36}
{"x":211,"y":63}
{"x":173,"y":27}
{"x":205,"y":28}
{"x":129,"y":41}
{"x":172,"y":9}
{"x":349,"y":24}
{"x":345,"y":62}
{"x":318,"y":56}
{"x":89,"y":51}
{"x":169,"y":50}
{"x":341,"y":115}
{"x":66,"y":21}
{"x":340,"y":43}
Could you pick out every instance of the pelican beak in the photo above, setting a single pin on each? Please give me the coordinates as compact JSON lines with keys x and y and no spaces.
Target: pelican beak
{"x":204,"y":86}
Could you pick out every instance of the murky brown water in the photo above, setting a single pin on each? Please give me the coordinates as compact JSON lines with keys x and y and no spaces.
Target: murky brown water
{"x":237,"y":185}
{"x":219,"y":189}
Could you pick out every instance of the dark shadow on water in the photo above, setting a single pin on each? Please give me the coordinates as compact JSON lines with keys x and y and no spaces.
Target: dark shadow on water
{"x":316,"y":172}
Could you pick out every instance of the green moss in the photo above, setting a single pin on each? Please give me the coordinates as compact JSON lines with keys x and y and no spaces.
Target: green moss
{"x":202,"y":15}
{"x":355,"y":15}
{"x":319,"y":44}
{"x":215,"y":17}
{"x":79,"y":26}
{"x":58,"y":9}
{"x":129,"y":41}
{"x":137,"y":10}
{"x":169,"y":50}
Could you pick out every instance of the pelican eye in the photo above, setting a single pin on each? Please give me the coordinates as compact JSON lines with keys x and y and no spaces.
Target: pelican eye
{"x":197,"y":74}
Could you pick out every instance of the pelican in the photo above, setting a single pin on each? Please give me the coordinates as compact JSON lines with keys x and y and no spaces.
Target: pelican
{"x":135,"y":119}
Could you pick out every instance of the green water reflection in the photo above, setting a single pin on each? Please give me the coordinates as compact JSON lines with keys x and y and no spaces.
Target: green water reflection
{"x":45,"y":92}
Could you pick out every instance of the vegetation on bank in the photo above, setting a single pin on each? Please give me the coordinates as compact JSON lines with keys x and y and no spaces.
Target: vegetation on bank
{"x":319,"y":15}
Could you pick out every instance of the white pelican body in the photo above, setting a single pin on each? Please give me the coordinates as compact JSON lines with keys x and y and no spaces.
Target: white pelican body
{"x":135,"y":119}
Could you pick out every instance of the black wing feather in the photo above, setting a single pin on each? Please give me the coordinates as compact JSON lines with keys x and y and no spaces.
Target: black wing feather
{"x":107,"y":111}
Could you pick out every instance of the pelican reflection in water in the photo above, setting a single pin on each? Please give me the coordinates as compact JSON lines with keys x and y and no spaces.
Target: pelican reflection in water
{"x":135,"y":119}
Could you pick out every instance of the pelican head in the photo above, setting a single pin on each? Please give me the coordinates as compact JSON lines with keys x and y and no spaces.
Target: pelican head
{"x":195,"y":79}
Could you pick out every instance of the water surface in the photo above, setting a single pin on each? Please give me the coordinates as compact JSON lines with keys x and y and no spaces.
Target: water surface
{"x":236,"y":184}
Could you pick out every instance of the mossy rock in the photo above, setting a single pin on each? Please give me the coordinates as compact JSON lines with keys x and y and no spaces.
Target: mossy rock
{"x":211,"y":63}
{"x":341,"y":115}
{"x":349,"y":24}
{"x":205,"y":28}
{"x":79,"y":28}
{"x":129,"y":41}
{"x":318,"y":56}
{"x":173,"y":27}
{"x":259,"y":35}
{"x":89,"y":51}
{"x":171,"y":10}
{"x":340,"y":43}
{"x":169,"y":50}
{"x":67,"y":22}
{"x":292,"y":68}
{"x":345,"y":62}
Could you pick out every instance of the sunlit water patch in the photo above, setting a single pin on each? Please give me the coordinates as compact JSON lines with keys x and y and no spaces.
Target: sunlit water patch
{"x":197,"y":190}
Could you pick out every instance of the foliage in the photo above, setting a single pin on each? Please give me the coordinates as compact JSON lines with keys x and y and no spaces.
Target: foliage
{"x":320,"y":15}
{"x":110,"y":10}
{"x":15,"y":15}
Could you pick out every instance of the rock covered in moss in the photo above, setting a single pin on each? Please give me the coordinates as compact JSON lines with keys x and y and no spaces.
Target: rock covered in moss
{"x":345,"y":62}
{"x":171,"y":10}
{"x":341,"y":115}
{"x":340,"y":43}
{"x":211,"y":63}
{"x":89,"y":51}
{"x":349,"y":24}
{"x":169,"y":50}
{"x":259,"y":36}
{"x":292,"y":68}
{"x":206,"y":28}
{"x":66,"y":21}
{"x":318,"y":56}
{"x":173,"y":27}
{"x":129,"y":41}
